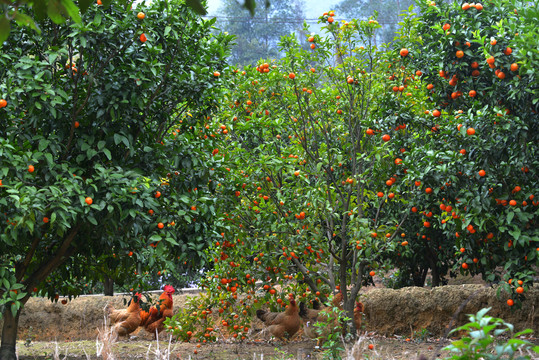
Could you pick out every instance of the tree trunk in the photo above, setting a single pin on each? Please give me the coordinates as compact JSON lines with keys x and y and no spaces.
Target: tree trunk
{"x":108,"y":286}
{"x":9,"y":336}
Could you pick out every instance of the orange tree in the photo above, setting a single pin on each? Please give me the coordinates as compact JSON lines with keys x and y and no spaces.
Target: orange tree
{"x":304,"y":186}
{"x":475,"y":165}
{"x":101,"y":162}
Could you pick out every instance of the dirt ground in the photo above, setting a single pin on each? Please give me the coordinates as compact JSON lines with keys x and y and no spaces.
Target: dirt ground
{"x":384,"y":348}
{"x":401,"y":324}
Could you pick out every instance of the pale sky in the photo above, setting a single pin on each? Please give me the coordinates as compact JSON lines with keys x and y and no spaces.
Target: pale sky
{"x":313,"y":8}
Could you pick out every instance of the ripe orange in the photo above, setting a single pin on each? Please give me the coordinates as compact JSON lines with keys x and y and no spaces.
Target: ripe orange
{"x":157,"y":194}
{"x":45,"y":219}
{"x":369,"y":132}
{"x":292,"y":76}
{"x":430,"y":87}
{"x":510,"y":302}
{"x":143,"y":38}
{"x":3,"y":103}
{"x":465,"y":6}
{"x":89,"y":200}
{"x":350,"y":80}
{"x":470,"y":131}
{"x":386,"y":137}
{"x":372,"y":273}
{"x":404,"y":243}
{"x":446,"y":27}
{"x":501,"y":75}
{"x":31,"y":168}
{"x":330,"y":19}
{"x":380,"y":194}
{"x":141,"y":15}
{"x":464,"y":265}
{"x":459,"y":54}
{"x":472,"y":93}
{"x":514,"y":67}
{"x":493,"y":42}
{"x":428,"y":190}
{"x":491,"y":60}
{"x":513,"y":203}
{"x":216,"y":74}
{"x":519,"y":290}
{"x":76,"y":124}
{"x":478,"y":6}
{"x":160,"y":225}
{"x":403,"y":52}
{"x":426,"y":224}
{"x":482,"y":173}
{"x":311,"y":38}
{"x":436,"y":113}
{"x":371,"y":346}
{"x":313,"y":46}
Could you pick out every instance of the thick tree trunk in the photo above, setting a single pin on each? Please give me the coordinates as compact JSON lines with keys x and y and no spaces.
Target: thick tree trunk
{"x":108,"y":286}
{"x":9,"y":336}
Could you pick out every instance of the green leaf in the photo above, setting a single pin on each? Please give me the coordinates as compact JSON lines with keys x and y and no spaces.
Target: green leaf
{"x":4,"y":29}
{"x":84,"y":5}
{"x":55,"y":11}
{"x":107,"y":154}
{"x":197,"y":6}
{"x":92,"y":220}
{"x":25,"y":20}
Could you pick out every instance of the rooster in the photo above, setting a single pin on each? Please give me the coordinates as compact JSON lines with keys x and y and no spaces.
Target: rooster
{"x":327,"y":315}
{"x":127,"y":320}
{"x":282,"y":325}
{"x":358,"y":313}
{"x":152,"y":320}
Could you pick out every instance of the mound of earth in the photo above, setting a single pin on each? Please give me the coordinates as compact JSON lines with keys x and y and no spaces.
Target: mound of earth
{"x":387,"y":312}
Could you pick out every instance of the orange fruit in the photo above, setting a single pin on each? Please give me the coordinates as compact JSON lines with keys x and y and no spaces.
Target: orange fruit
{"x":330,"y":19}
{"x":311,"y":38}
{"x":491,"y":60}
{"x":3,"y":103}
{"x":216,"y":73}
{"x":482,"y":173}
{"x":465,"y":6}
{"x":157,"y":194}
{"x":470,"y":131}
{"x":313,"y":46}
{"x":426,"y":224}
{"x":31,"y":168}
{"x":519,"y":290}
{"x":292,"y":76}
{"x":141,"y":15}
{"x":472,"y":93}
{"x":89,"y":200}
{"x":369,"y":132}
{"x":501,"y":75}
{"x":430,"y":86}
{"x":403,"y":52}
{"x":436,"y":113}
{"x":478,"y":6}
{"x":160,"y":225}
{"x":514,"y":67}
{"x":372,"y":273}
{"x":45,"y":219}
{"x":143,"y":38}
{"x":371,"y":346}
{"x":380,"y":194}
{"x":513,"y":203}
{"x":464,"y":265}
{"x":386,"y":137}
{"x":510,"y":302}
{"x":446,"y":27}
{"x":459,"y":54}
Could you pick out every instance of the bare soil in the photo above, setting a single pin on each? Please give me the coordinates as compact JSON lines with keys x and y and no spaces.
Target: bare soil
{"x":401,"y":324}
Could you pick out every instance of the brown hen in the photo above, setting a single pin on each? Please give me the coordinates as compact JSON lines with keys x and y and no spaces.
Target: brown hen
{"x":127,"y":320}
{"x":327,"y":315}
{"x":152,"y":320}
{"x":282,"y":325}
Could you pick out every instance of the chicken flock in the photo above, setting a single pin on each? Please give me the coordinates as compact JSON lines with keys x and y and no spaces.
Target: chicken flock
{"x":317,"y":323}
{"x":126,"y":321}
